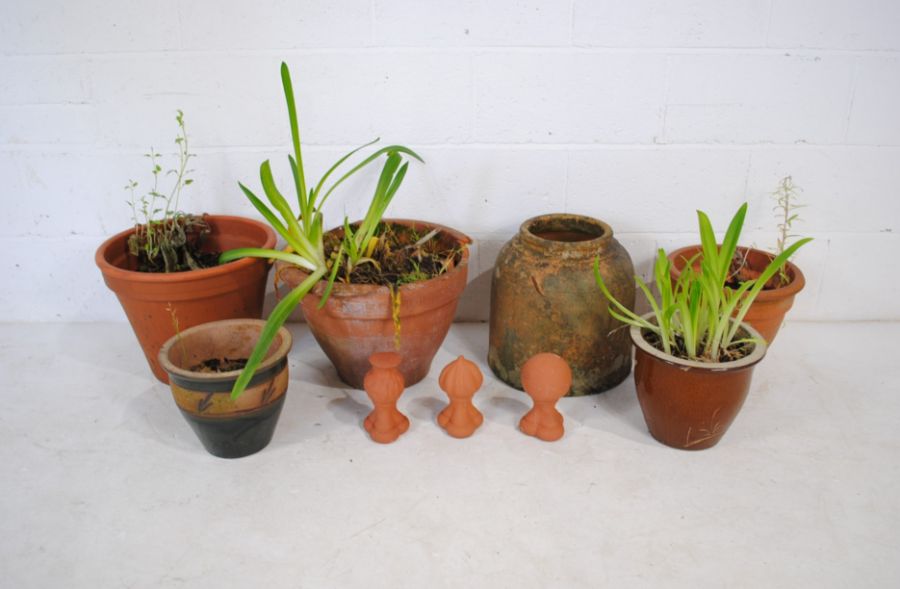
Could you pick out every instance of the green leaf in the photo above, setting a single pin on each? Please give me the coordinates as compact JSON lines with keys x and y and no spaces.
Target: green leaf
{"x":729,"y":243}
{"x":271,"y":218}
{"x":761,"y":280}
{"x":332,"y":277}
{"x":367,"y":161}
{"x":295,"y":135}
{"x":708,"y":242}
{"x":281,"y":205}
{"x":632,"y":316}
{"x":337,"y":164}
{"x":256,"y":252}
{"x":276,"y":319}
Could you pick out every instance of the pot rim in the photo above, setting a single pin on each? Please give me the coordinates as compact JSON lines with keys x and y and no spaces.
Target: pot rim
{"x":113,"y":271}
{"x":788,"y":290}
{"x":281,"y":352}
{"x":587,"y":246}
{"x":759,"y":351}
{"x":341,"y":289}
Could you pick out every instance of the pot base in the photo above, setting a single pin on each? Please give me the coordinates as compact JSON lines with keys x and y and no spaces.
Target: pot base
{"x":236,"y":437}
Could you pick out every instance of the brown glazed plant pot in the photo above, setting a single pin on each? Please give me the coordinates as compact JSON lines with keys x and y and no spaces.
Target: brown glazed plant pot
{"x":766,"y":313}
{"x":544,"y":298}
{"x":155,"y":302}
{"x":690,"y":405}
{"x":357,"y":319}
{"x":227,"y":428}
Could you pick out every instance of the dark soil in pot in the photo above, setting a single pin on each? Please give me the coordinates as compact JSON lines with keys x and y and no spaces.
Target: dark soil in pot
{"x":404,"y":254}
{"x":219,"y":365}
{"x":174,"y":245}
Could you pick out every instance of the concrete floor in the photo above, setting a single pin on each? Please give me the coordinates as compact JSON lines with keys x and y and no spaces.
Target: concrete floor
{"x":102,"y":483}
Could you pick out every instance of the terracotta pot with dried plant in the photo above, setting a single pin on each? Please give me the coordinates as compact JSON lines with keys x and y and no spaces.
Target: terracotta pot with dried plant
{"x":165,"y":270}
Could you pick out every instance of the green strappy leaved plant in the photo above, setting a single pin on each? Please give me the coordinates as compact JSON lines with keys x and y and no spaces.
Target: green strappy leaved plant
{"x":698,"y":317}
{"x":304,"y":232}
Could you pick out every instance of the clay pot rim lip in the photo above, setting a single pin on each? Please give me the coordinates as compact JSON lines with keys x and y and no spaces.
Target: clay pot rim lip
{"x":341,"y":289}
{"x":112,"y":271}
{"x":588,"y":246}
{"x":755,"y":357}
{"x":170,"y":368}
{"x":788,"y":290}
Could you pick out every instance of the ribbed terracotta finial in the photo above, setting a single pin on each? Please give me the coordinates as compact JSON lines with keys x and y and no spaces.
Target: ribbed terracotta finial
{"x":460,"y":379}
{"x":546,"y":378}
{"x":384,"y":385}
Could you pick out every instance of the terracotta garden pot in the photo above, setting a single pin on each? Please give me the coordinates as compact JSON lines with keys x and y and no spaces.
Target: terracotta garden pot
{"x":153,"y":301}
{"x":227,"y":428}
{"x":357,"y":319}
{"x":544,"y":298}
{"x":766,"y":313}
{"x":687,"y":404}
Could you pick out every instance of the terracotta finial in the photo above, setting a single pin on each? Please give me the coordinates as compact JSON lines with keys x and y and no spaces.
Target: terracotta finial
{"x":384,"y":385}
{"x":546,"y":378}
{"x":460,"y":379}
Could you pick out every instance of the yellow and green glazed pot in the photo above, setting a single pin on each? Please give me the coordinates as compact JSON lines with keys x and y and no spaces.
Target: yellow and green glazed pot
{"x":227,"y":428}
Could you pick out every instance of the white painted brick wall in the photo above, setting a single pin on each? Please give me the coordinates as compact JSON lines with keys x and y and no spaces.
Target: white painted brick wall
{"x":635,"y":112}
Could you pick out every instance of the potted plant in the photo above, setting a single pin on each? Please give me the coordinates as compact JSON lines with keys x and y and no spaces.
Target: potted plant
{"x":694,"y":352}
{"x":767,"y":313}
{"x":364,"y":279}
{"x":404,"y":299}
{"x":165,"y":269}
{"x":204,"y":362}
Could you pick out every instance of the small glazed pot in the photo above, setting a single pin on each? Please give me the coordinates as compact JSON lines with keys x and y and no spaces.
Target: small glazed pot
{"x":154,"y":302}
{"x":766,"y":313}
{"x":544,"y":298}
{"x":227,"y":428}
{"x":688,"y":404}
{"x":357,"y":319}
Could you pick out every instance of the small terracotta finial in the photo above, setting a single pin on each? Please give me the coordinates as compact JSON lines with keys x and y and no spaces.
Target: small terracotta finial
{"x":384,"y":385}
{"x":460,"y":379}
{"x":546,"y":378}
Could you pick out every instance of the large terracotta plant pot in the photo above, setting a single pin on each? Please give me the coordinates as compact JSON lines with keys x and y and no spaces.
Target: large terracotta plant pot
{"x":155,"y":302}
{"x":766,"y":313}
{"x":357,"y":319}
{"x":544,"y":298}
{"x":687,"y":404}
{"x":227,"y":428}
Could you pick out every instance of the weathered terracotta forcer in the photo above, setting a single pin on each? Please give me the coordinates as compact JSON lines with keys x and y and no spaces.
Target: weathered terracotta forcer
{"x":544,"y":299}
{"x":460,"y":380}
{"x":547,"y":378}
{"x":384,"y":385}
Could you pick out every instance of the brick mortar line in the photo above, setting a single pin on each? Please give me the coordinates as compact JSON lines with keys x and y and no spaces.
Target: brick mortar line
{"x":87,"y":148}
{"x":548,"y":49}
